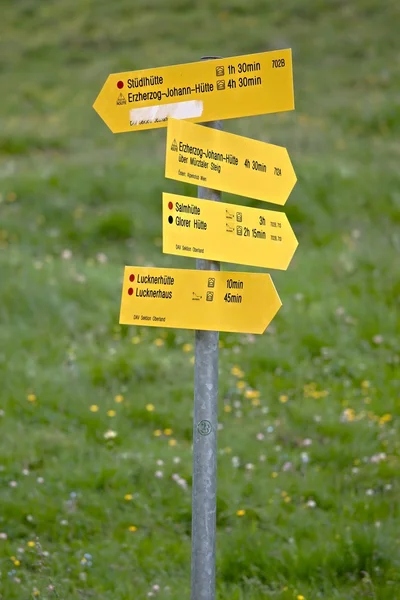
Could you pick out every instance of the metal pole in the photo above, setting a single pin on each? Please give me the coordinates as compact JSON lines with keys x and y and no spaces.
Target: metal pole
{"x":205,"y":423}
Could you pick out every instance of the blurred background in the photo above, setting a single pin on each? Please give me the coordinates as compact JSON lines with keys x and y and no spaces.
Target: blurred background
{"x":95,"y":425}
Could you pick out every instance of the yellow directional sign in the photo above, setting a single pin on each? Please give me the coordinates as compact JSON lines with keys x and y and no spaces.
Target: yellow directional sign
{"x":205,"y":300}
{"x":227,"y":232}
{"x":227,"y":162}
{"x":223,"y":88}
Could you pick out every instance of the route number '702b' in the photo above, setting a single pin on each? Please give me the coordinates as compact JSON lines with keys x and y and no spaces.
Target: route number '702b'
{"x":277,"y":63}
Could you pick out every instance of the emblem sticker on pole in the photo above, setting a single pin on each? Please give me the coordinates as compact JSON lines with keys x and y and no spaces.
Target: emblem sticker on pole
{"x":223,"y":88}
{"x":206,"y":300}
{"x":228,"y":162}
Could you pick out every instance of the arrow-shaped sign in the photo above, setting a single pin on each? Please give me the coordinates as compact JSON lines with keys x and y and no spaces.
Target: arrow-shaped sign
{"x":205,"y":300}
{"x":227,"y":162}
{"x":224,"y":88}
{"x":227,"y":232}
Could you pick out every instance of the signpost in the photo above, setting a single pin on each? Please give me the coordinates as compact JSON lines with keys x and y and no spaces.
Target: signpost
{"x":227,"y":162}
{"x":208,"y":300}
{"x":189,"y":299}
{"x":227,"y":232}
{"x":205,"y":429}
{"x":223,"y":88}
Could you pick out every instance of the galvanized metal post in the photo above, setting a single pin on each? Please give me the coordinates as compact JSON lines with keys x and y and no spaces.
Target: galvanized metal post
{"x":205,"y":427}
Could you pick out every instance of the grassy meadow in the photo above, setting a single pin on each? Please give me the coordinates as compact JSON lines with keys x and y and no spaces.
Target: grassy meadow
{"x":95,"y":418}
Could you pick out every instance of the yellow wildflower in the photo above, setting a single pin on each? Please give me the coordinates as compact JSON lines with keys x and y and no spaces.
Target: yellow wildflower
{"x":227,"y":450}
{"x":187,"y":347}
{"x":227,"y":408}
{"x":132,"y":528}
{"x":241,"y":512}
{"x":135,"y":340}
{"x":287,"y":499}
{"x":300,"y":597}
{"x":237,"y":372}
{"x":250,"y":394}
{"x":128,"y":497}
{"x":283,"y":398}
{"x":308,"y":389}
{"x":192,"y":360}
{"x":385,"y":419}
{"x":36,"y":592}
{"x":31,"y":398}
{"x":365,"y":384}
{"x":274,"y":474}
{"x":320,"y":394}
{"x":119,"y":398}
{"x":349,"y":414}
{"x":172,"y":442}
{"x":31,"y":544}
{"x":168,"y":431}
{"x":159,"y":342}
{"x":256,"y":402}
{"x":157,"y":433}
{"x":111,"y":413}
{"x":93,"y":408}
{"x":150,"y":407}
{"x":240,"y":385}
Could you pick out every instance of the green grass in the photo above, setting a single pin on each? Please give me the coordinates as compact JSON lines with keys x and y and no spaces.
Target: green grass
{"x":77,"y":204}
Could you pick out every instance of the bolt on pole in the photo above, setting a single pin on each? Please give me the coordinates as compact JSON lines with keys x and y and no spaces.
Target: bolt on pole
{"x":205,"y":427}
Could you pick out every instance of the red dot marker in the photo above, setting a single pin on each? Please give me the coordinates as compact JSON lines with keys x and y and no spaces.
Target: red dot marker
{"x":170,"y":205}
{"x":130,"y":291}
{"x":120,"y":85}
{"x":131,"y":277}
